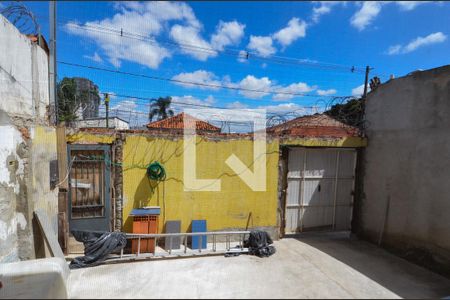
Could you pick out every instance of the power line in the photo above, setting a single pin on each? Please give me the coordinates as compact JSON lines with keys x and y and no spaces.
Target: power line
{"x":193,"y":83}
{"x":233,"y":52}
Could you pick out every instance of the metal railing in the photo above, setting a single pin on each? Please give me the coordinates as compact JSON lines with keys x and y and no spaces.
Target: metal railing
{"x":228,"y":235}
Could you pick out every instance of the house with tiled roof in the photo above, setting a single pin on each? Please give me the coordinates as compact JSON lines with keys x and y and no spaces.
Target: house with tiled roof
{"x":317,"y":125}
{"x":176,"y":123}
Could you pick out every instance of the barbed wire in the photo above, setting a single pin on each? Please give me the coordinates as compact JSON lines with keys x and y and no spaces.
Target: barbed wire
{"x":21,"y":17}
{"x":338,"y":108}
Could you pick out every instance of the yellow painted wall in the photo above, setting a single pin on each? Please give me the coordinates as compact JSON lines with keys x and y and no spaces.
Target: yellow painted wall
{"x":84,"y":137}
{"x":40,"y":195}
{"x":226,"y":209}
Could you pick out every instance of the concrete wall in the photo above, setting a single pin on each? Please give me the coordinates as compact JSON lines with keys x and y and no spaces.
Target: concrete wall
{"x":113,"y":122}
{"x":406,"y":203}
{"x":28,"y":144}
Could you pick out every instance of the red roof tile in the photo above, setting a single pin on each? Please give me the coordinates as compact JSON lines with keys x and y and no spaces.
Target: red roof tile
{"x":318,"y":125}
{"x":177,"y":122}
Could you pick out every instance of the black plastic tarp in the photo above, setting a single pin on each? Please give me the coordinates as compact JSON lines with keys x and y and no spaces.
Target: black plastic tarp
{"x":260,"y":244}
{"x":97,"y":246}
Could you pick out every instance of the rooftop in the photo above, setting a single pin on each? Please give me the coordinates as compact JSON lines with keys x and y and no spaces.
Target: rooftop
{"x":318,"y":125}
{"x":177,"y":123}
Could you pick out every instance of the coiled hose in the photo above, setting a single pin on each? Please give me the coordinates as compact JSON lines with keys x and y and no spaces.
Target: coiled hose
{"x":156,"y":171}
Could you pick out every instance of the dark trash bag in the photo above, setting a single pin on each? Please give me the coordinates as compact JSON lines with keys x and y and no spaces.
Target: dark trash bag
{"x":259,"y":244}
{"x":97,"y":246}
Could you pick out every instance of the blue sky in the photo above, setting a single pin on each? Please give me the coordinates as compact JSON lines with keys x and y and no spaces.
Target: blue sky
{"x":201,"y":42}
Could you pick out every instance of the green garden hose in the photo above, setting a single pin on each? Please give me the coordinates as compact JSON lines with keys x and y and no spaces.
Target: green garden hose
{"x":155,"y":171}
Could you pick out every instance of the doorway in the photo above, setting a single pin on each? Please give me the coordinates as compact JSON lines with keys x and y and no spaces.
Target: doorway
{"x":89,"y":187}
{"x":320,"y":188}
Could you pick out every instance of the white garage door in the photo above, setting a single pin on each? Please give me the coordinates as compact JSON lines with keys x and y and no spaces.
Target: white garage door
{"x":320,"y":189}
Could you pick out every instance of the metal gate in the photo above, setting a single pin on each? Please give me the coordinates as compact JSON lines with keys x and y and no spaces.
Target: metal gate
{"x":89,"y":187}
{"x":320,"y":189}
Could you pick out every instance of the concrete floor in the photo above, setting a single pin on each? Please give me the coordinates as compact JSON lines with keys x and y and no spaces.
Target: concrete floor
{"x":310,"y":266}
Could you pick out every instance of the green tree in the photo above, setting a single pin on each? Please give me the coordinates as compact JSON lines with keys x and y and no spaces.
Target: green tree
{"x":77,"y":94}
{"x":350,"y":112}
{"x":160,"y":108}
{"x":67,"y":100}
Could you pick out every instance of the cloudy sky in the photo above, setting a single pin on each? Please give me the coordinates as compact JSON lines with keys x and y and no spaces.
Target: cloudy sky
{"x":286,"y":57}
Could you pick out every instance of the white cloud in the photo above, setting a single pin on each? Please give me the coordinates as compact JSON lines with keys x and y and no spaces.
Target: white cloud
{"x":127,"y":110}
{"x":242,"y":56}
{"x":227,"y":33}
{"x":295,"y":29}
{"x":199,"y":77}
{"x":250,"y":86}
{"x":191,"y":42}
{"x":326,"y":92}
{"x":252,"y":83}
{"x":162,"y":11}
{"x":94,"y":57}
{"x":294,"y":88}
{"x":323,"y":9}
{"x":394,"y":49}
{"x":358,"y":91}
{"x":368,"y":12}
{"x":179,"y":103}
{"x":118,"y":48}
{"x":237,"y":105}
{"x":146,"y":19}
{"x":409,"y":5}
{"x":286,"y":109}
{"x":150,"y":20}
{"x":433,"y":38}
{"x":371,"y":9}
{"x":262,"y":45}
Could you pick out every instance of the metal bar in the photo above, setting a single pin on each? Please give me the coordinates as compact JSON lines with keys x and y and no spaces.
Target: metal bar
{"x":93,"y":187}
{"x":200,"y":243}
{"x":162,"y":235}
{"x":214,"y":243}
{"x":139,"y":246}
{"x":318,"y":177}
{"x":319,"y":206}
{"x":241,"y":241}
{"x":302,"y":192}
{"x":170,"y":245}
{"x":366,"y":79}
{"x":52,"y":60}
{"x":156,"y":244}
{"x":87,"y":206}
{"x":121,"y":253}
{"x":355,"y":158}
{"x":335,"y":189}
{"x":185,"y":243}
{"x":88,"y":160}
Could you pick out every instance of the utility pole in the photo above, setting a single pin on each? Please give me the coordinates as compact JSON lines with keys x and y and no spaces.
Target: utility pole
{"x":107,"y":109}
{"x":52,"y":61}
{"x":366,"y":82}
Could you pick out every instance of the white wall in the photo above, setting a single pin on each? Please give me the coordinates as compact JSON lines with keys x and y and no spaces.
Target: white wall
{"x":101,"y":123}
{"x":27,"y":144}
{"x":16,"y":73}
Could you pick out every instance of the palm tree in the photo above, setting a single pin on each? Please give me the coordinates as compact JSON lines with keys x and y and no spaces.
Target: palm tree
{"x":160,"y":108}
